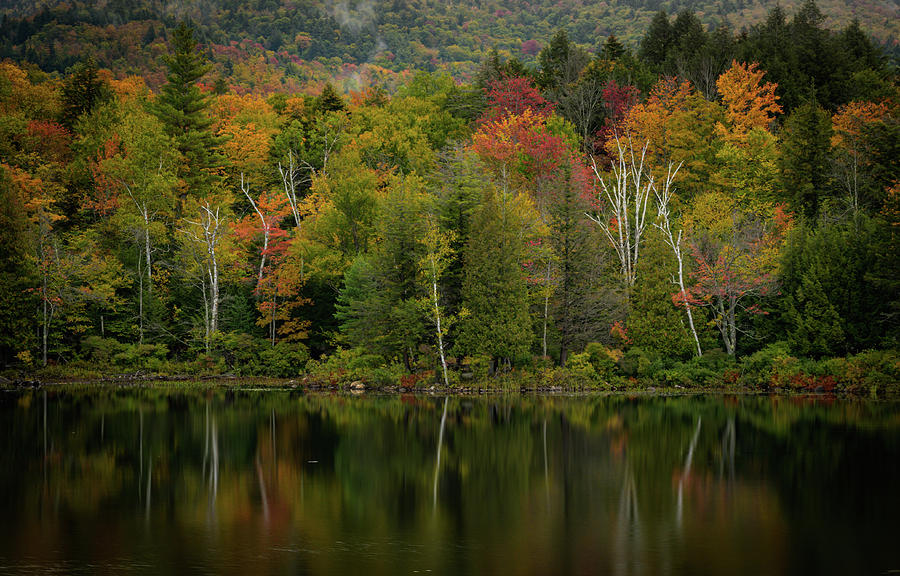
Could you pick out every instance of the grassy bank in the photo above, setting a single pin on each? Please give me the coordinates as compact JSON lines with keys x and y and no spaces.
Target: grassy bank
{"x":869,"y":374}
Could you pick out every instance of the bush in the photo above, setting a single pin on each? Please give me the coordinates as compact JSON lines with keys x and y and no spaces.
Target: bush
{"x":345,"y":366}
{"x":637,"y":362}
{"x":145,"y":356}
{"x":284,"y":360}
{"x":480,"y":366}
{"x":871,"y":372}
{"x":390,"y":375}
{"x":757,"y":369}
{"x":101,"y":350}
{"x":239,"y":351}
{"x":689,"y":375}
{"x":714,"y":359}
{"x":603,"y":360}
{"x":581,"y":368}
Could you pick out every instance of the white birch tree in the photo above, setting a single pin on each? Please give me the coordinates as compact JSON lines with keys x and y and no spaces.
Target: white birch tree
{"x":438,"y":251}
{"x":674,"y":242}
{"x":207,"y":234}
{"x":622,"y":205}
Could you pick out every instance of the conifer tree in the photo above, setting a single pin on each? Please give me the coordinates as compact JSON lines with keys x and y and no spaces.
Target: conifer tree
{"x":805,"y":157}
{"x":657,"y":40}
{"x":182,"y":108}
{"x":81,"y":91}
{"x":496,"y":321}
{"x":330,"y":100}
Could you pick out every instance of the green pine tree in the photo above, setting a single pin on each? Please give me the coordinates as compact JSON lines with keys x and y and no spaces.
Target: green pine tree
{"x":805,"y":162}
{"x":496,"y":321}
{"x":81,"y":91}
{"x":330,"y":100}
{"x":658,"y":40}
{"x":182,"y":108}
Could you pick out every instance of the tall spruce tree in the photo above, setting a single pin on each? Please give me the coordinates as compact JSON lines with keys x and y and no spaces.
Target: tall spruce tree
{"x":657,"y":40}
{"x":182,"y":108}
{"x":81,"y":91}
{"x":806,"y":150}
{"x":496,"y":322}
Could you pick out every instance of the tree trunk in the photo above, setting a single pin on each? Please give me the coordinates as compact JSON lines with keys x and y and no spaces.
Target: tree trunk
{"x":147,"y":246}
{"x":684,"y":296}
{"x":140,"y":302}
{"x":437,"y":318}
{"x":214,"y":294}
{"x":546,"y":308}
{"x":46,"y":325}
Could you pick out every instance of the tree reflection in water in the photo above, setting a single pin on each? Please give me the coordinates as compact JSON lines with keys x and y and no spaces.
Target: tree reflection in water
{"x":275,"y":482}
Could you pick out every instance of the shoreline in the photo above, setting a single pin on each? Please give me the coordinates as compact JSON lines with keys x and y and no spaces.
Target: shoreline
{"x":358,"y":388}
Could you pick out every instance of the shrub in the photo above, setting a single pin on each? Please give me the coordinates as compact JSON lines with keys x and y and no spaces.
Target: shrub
{"x":345,"y":366}
{"x":239,"y":351}
{"x":714,"y":359}
{"x":101,"y":350}
{"x":873,"y":371}
{"x":581,"y":368}
{"x":758,"y":368}
{"x":284,"y":360}
{"x":140,"y":355}
{"x":636,"y":362}
{"x":480,"y":366}
{"x":603,"y":359}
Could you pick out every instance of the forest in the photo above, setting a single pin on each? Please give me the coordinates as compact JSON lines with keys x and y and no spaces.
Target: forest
{"x":704,"y":207}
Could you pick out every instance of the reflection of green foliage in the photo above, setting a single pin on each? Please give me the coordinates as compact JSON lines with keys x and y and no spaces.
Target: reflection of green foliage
{"x":338,"y":465}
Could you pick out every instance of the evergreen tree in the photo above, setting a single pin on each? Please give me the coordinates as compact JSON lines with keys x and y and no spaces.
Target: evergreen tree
{"x":805,"y":162}
{"x":833,"y":301}
{"x":183,"y":109}
{"x":612,"y":48}
{"x":771,"y":44}
{"x":581,"y":304}
{"x":358,"y":309}
{"x":859,"y":49}
{"x":15,"y":272}
{"x":819,"y":57}
{"x":658,"y":40}
{"x":330,"y":100}
{"x":561,"y":63}
{"x":400,"y":228}
{"x":496,"y":322}
{"x":81,"y":91}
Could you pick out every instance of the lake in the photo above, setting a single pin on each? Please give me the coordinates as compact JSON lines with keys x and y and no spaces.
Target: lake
{"x":230,"y":481}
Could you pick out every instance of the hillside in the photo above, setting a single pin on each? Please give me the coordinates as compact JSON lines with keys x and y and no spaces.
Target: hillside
{"x":286,"y":44}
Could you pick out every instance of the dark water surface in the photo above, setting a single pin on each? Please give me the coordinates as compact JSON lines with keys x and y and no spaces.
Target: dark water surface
{"x":273,"y":482}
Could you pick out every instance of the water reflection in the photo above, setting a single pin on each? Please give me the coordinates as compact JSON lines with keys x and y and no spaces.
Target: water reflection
{"x":280,"y":482}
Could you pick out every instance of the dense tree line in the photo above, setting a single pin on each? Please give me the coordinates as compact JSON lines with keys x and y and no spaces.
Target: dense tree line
{"x":279,"y":45}
{"x":610,"y":207}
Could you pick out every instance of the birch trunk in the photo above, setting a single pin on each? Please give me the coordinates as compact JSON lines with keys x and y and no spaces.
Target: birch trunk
{"x":624,"y":201}
{"x":437,"y":319}
{"x":663,"y":198}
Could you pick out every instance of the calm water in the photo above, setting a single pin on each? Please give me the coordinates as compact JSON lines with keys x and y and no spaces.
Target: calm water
{"x":244,"y":482}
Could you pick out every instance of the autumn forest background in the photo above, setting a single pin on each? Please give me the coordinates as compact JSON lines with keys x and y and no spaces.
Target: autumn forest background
{"x":631,"y":193}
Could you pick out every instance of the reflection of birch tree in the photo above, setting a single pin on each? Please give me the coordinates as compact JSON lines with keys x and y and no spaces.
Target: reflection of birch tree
{"x":437,"y":464}
{"x":685,"y":473}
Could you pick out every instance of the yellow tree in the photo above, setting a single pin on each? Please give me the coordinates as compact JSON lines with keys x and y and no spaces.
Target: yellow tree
{"x":748,"y":155}
{"x":437,"y":253}
{"x":679,"y":125}
{"x":736,"y":255}
{"x":749,"y":104}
